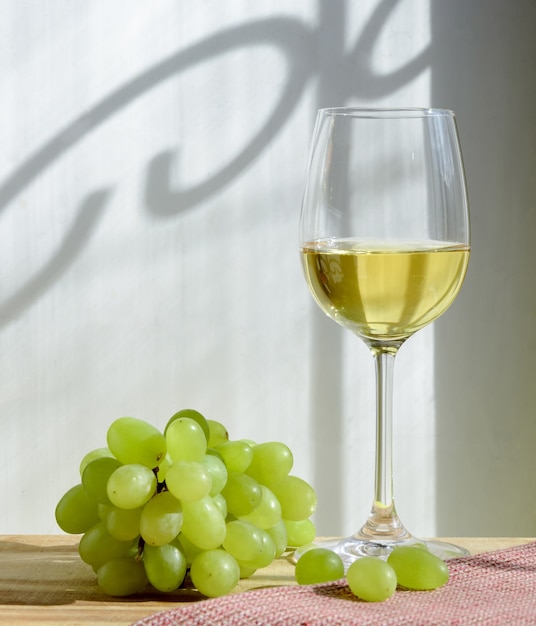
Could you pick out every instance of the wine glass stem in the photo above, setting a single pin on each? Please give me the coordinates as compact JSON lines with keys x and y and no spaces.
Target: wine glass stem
{"x":383,"y":485}
{"x":383,"y":524}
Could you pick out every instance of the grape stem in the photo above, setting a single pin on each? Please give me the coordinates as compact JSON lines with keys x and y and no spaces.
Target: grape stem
{"x":160,"y":486}
{"x":141,"y":546}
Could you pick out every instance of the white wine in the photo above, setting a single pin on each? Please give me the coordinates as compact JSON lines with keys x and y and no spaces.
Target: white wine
{"x":384,"y":291}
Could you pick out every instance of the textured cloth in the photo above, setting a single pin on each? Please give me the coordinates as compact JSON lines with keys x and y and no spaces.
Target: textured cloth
{"x":493,"y":589}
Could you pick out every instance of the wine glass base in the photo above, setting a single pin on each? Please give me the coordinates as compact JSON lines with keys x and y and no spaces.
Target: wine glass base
{"x":351,"y":548}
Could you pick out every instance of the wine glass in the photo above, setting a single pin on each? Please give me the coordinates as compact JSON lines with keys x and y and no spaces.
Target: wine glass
{"x":384,"y":243}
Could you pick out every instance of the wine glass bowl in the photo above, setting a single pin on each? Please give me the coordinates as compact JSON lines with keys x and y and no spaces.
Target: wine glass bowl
{"x":384,"y":242}
{"x":383,"y":291}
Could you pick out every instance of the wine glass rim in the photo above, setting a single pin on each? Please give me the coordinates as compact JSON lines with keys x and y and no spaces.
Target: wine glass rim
{"x":386,"y":112}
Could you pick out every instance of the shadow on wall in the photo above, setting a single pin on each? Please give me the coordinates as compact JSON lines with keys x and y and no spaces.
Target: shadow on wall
{"x":289,"y":35}
{"x":309,"y":53}
{"x":343,"y":72}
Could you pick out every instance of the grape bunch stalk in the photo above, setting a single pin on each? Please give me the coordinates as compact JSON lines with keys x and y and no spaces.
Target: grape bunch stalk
{"x":153,"y":507}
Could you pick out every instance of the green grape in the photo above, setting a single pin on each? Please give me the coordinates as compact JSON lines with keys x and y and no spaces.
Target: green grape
{"x":97,"y":546}
{"x":266,"y":554}
{"x":214,"y":573}
{"x":186,"y":440}
{"x":221,"y":503}
{"x":203,"y":524}
{"x":188,"y":480}
{"x":162,"y":469}
{"x":165,"y":566}
{"x":194,"y":415}
{"x":301,"y":550}
{"x":214,"y":452}
{"x":268,"y":513}
{"x":278,"y":533}
{"x":218,"y":472}
{"x":161,"y":519}
{"x":245,"y":571}
{"x":92,"y":455}
{"x":370,"y":578}
{"x":242,"y":493}
{"x":300,"y":532}
{"x":134,"y":441}
{"x":217,"y":433}
{"x":104,"y":510}
{"x":243,"y":540}
{"x":96,"y":475}
{"x":416,"y":568}
{"x":123,"y":524}
{"x":296,"y":496}
{"x":271,"y":461}
{"x":319,"y":566}
{"x":77,"y":511}
{"x":123,"y":576}
{"x":131,"y":486}
{"x":189,"y":549}
{"x":236,"y":455}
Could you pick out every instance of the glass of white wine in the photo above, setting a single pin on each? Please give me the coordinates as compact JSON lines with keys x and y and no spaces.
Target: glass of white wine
{"x":384,"y":243}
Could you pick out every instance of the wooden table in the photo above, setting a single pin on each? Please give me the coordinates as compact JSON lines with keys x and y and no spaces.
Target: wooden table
{"x":43,"y":581}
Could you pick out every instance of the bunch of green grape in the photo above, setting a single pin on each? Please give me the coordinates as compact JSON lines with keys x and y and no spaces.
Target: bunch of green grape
{"x":374,"y":579}
{"x":154,"y":506}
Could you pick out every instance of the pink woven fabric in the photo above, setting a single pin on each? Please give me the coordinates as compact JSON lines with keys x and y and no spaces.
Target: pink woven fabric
{"x":491,"y":589}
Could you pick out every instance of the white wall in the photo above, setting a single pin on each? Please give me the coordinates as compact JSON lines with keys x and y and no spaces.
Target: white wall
{"x":485,"y":55}
{"x":151,"y":169}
